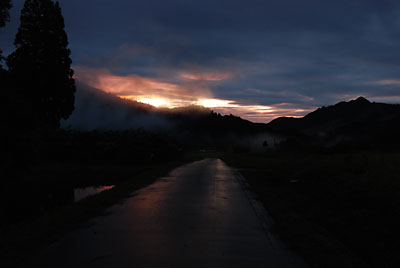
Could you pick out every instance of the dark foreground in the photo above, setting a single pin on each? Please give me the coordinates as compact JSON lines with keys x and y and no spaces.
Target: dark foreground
{"x":198,"y":216}
{"x":335,"y":209}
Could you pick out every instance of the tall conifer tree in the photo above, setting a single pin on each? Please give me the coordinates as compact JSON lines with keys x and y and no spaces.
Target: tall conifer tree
{"x":41,"y":63}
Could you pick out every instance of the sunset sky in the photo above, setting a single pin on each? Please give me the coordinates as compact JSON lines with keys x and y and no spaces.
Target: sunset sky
{"x":258,"y":59}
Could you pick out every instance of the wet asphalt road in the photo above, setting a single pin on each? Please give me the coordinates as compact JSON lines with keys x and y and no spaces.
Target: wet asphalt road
{"x":199,"y":216}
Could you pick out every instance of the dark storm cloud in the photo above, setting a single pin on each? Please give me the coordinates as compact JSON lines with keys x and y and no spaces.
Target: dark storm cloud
{"x":305,"y":53}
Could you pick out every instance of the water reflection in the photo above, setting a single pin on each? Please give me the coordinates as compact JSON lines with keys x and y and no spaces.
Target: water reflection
{"x":81,"y":193}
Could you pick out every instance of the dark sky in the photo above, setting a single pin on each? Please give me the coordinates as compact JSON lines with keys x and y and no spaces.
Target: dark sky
{"x":261,"y":58}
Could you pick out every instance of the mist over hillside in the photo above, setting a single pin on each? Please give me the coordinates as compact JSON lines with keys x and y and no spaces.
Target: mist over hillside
{"x":98,"y":110}
{"x":194,"y":125}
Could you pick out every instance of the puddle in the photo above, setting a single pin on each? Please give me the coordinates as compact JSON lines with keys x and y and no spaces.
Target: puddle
{"x":81,"y":193}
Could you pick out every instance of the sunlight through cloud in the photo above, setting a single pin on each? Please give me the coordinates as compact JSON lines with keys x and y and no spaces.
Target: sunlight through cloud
{"x":166,"y":93}
{"x":156,"y":102}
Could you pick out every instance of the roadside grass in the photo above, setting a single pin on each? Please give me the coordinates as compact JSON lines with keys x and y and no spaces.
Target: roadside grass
{"x":336,"y":210}
{"x":21,"y":241}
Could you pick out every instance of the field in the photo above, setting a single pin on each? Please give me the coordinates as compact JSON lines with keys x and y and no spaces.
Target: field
{"x":337,"y":210}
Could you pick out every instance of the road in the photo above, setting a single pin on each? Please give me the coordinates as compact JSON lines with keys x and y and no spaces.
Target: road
{"x":200,"y":215}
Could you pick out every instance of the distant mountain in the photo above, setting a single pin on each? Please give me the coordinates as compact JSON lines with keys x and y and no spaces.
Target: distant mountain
{"x":97,"y":110}
{"x":357,"y":123}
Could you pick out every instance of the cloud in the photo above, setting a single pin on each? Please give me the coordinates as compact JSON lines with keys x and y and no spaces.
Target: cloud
{"x":160,"y":92}
{"x":205,"y":76}
{"x":311,"y":53}
{"x":386,"y":82}
{"x":307,"y":53}
{"x":137,"y":87}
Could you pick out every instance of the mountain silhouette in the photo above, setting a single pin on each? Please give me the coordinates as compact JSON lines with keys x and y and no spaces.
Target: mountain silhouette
{"x":356,"y":123}
{"x":96,"y":109}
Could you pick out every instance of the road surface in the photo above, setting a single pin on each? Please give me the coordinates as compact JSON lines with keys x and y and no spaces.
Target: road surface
{"x":201,"y":215}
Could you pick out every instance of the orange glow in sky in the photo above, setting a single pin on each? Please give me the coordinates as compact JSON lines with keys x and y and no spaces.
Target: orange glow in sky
{"x":156,"y":102}
{"x":206,"y":76}
{"x":185,"y":89}
{"x":216,"y":103}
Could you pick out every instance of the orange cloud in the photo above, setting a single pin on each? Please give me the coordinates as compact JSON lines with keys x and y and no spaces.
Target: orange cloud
{"x":136,"y":87}
{"x":163,"y":93}
{"x":206,"y":76}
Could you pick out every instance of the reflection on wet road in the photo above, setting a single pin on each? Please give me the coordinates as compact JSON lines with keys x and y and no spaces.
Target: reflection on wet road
{"x":82,"y":193}
{"x":198,"y":216}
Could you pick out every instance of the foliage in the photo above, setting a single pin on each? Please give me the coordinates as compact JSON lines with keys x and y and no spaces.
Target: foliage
{"x":41,"y":63}
{"x":5,"y":6}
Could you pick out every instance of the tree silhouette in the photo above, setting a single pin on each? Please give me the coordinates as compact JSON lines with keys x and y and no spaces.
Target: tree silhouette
{"x":5,"y":5}
{"x":41,"y":64}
